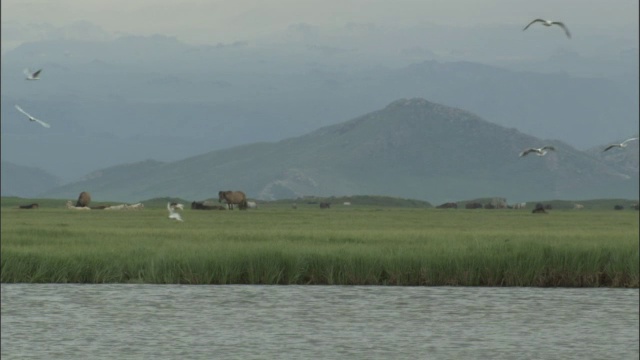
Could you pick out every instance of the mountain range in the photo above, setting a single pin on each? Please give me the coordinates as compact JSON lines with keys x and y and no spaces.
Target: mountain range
{"x":153,"y":97}
{"x":412,"y":148}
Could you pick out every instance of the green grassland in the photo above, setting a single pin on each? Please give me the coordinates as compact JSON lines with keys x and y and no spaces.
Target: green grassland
{"x":344,"y":245}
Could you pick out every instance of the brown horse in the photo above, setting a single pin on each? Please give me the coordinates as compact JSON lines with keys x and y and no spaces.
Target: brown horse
{"x":233,"y":197}
{"x":83,"y":199}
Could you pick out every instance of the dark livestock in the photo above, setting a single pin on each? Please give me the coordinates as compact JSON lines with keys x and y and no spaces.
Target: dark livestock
{"x":200,"y":205}
{"x":83,"y":199}
{"x":30,"y":206}
{"x":618,"y":207}
{"x":233,"y":198}
{"x":325,"y":205}
{"x":539,"y":209}
{"x":474,"y":205}
{"x":449,"y":205}
{"x":489,"y":206}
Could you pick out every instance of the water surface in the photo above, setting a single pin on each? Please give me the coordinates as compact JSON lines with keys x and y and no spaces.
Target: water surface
{"x":60,"y":321}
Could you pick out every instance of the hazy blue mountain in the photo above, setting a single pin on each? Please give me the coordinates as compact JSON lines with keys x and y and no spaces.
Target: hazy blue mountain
{"x":625,"y":159}
{"x":23,"y":181}
{"x":135,"y":98}
{"x":412,"y":148}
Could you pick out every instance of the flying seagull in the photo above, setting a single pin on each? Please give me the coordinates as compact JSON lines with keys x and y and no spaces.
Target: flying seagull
{"x":549,"y":23}
{"x":173,"y":214}
{"x":32,"y":118}
{"x":32,"y":75}
{"x":540,"y":152}
{"x":621,"y":145}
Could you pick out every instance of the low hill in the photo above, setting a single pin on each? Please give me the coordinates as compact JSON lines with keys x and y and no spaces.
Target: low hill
{"x":412,"y":148}
{"x":24,"y":181}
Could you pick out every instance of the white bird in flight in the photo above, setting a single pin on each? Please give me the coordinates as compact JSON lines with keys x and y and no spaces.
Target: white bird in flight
{"x":32,"y":75}
{"x":173,"y":214}
{"x":540,"y":152}
{"x":549,"y":23}
{"x":621,"y":145}
{"x":32,"y":118}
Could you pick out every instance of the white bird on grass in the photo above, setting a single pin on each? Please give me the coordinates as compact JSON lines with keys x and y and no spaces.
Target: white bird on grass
{"x":549,"y":23}
{"x":32,"y":75}
{"x":31,"y":118}
{"x":621,"y":145}
{"x":540,"y":152}
{"x":173,"y":214}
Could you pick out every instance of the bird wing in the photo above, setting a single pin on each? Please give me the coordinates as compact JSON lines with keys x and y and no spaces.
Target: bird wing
{"x":562,"y":25}
{"x":22,"y":111}
{"x":624,"y":142}
{"x":526,"y":152}
{"x":536,"y":20}
{"x":41,"y":122}
{"x":610,"y":147}
{"x":548,"y":147}
{"x":171,"y":212}
{"x":36,"y":74}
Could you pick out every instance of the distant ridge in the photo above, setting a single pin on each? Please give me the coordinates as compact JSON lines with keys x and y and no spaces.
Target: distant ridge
{"x":412,"y":148}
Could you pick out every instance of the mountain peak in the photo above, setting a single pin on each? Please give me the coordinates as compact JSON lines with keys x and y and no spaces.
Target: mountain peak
{"x":411,"y":102}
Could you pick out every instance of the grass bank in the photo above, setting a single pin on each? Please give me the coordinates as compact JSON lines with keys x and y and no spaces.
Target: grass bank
{"x":345,"y":246}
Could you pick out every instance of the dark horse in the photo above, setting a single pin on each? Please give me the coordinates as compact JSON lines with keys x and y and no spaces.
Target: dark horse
{"x":30,"y":206}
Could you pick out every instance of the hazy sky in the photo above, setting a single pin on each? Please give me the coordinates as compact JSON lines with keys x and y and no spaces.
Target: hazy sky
{"x":223,"y":21}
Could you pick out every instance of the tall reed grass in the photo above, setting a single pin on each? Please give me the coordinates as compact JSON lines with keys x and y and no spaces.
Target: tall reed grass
{"x":312,"y":246}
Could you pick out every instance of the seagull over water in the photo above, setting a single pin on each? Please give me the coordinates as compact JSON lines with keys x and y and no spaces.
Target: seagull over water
{"x":549,"y":23}
{"x":32,"y":75}
{"x":540,"y":152}
{"x":173,"y":214}
{"x":621,"y":145}
{"x":31,"y":118}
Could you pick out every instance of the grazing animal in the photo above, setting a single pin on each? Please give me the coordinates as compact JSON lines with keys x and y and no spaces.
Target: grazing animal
{"x":30,"y":206}
{"x":540,"y":208}
{"x":70,"y":206}
{"x":173,"y":214}
{"x":252,"y":205}
{"x":635,"y":206}
{"x":618,"y":207}
{"x":474,"y":205}
{"x":325,"y":205}
{"x":31,"y":118}
{"x":99,"y":207}
{"x":346,"y":203}
{"x":540,"y":152}
{"x":136,"y":206}
{"x":200,"y":205}
{"x":116,"y":207}
{"x":521,"y":205}
{"x":449,"y":205}
{"x":32,"y":75}
{"x":549,"y":23}
{"x":83,"y":199}
{"x":578,"y":206}
{"x":621,"y":145}
{"x":294,"y":206}
{"x":232,"y":198}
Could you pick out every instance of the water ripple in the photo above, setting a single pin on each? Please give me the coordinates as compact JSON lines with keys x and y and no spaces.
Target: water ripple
{"x":57,"y":321}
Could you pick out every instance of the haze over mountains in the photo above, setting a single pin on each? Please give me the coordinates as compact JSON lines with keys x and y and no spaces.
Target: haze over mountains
{"x":412,"y":148}
{"x":134,"y":98}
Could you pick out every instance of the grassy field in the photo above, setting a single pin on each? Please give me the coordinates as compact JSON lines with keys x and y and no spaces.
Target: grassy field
{"x":342,"y":245}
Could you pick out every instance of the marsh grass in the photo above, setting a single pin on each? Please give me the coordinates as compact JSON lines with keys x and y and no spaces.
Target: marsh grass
{"x":311,"y":246}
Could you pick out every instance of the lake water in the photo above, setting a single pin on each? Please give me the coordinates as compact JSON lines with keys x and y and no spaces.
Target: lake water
{"x":60,"y":321}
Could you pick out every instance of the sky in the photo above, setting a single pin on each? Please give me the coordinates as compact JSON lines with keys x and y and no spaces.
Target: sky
{"x":223,"y":21}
